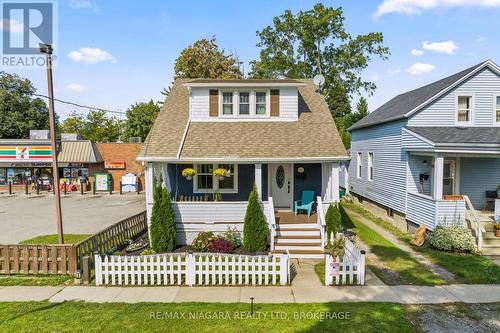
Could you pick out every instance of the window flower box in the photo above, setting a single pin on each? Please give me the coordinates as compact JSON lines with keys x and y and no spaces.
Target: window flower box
{"x":188,"y":173}
{"x":221,"y":173}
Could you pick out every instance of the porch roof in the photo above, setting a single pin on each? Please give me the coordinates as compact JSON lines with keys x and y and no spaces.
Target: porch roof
{"x":459,"y":135}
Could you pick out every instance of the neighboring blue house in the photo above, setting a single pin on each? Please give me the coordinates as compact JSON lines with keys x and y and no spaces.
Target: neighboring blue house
{"x":425,"y":151}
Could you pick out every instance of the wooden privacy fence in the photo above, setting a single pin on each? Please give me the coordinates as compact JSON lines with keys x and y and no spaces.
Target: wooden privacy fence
{"x":67,"y":259}
{"x":37,"y":259}
{"x":192,"y":269}
{"x":350,"y":269}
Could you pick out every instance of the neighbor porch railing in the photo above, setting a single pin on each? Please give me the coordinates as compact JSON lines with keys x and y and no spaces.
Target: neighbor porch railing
{"x":475,"y":222}
{"x":271,"y":220}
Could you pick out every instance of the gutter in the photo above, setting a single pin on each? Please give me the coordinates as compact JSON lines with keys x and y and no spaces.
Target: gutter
{"x":248,"y":159}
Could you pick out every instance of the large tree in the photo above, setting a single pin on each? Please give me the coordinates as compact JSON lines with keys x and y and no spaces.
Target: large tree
{"x":20,"y":111}
{"x":140,"y":118}
{"x":95,"y":125}
{"x":315,"y":42}
{"x":204,"y":59}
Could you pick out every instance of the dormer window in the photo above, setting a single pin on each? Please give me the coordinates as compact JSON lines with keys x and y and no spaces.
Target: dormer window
{"x":260,"y":103}
{"x":244,"y":103}
{"x":464,"y":111}
{"x":227,"y":103}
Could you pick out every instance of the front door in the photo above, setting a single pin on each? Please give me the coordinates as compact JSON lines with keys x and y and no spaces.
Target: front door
{"x":449,"y":177}
{"x":281,"y":185}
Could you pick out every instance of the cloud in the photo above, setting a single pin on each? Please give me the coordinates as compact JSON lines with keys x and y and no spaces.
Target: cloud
{"x":12,"y":25}
{"x":91,"y":55}
{"x":447,"y":47}
{"x":417,"y":53}
{"x":78,"y":4}
{"x":481,"y":39}
{"x":420,"y":68}
{"x":416,"y":7}
{"x":75,"y":87}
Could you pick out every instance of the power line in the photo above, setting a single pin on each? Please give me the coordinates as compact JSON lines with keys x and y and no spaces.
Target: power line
{"x":81,"y":105}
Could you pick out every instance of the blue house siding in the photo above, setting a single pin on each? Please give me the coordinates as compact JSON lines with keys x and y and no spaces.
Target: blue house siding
{"x":343,"y":174}
{"x":389,"y":185}
{"x":246,"y":178}
{"x":310,"y":179}
{"x":420,"y":165}
{"x":410,"y":141}
{"x":478,"y":175}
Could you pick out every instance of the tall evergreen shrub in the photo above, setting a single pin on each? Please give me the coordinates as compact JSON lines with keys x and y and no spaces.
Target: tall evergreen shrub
{"x":255,"y":226}
{"x":163,"y":229}
{"x":333,"y":221}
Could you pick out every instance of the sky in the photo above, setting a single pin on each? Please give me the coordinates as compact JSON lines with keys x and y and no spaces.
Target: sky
{"x":112,"y":54}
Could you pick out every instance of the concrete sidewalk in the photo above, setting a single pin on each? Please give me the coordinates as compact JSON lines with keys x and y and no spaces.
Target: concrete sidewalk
{"x":272,"y":294}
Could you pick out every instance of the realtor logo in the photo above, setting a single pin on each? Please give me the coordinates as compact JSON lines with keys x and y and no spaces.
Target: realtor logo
{"x":25,"y":24}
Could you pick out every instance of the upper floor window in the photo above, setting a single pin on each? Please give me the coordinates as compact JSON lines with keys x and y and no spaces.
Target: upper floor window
{"x":464,"y":109}
{"x":244,"y":103}
{"x":370,"y":166}
{"x":260,"y":103}
{"x":497,"y":109}
{"x":360,"y":164}
{"x":227,"y":102}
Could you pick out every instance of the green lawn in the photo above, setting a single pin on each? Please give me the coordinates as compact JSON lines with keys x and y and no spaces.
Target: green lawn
{"x":35,"y":280}
{"x":468,"y":268}
{"x":408,"y":270}
{"x":201,"y":317}
{"x":53,"y":239}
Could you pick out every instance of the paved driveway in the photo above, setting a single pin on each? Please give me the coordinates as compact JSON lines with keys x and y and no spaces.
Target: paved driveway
{"x":24,"y":217}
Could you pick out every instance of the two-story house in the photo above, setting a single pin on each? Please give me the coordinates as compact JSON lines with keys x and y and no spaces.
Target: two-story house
{"x":432,"y":154}
{"x":276,"y":134}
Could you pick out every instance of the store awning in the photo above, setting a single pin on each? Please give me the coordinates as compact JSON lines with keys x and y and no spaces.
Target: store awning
{"x":79,"y":151}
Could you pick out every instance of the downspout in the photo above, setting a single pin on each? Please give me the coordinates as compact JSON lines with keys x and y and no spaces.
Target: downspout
{"x":183,"y":138}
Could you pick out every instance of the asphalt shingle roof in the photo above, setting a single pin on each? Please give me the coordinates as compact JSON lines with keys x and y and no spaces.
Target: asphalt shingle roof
{"x":397,"y":107}
{"x":459,"y":134}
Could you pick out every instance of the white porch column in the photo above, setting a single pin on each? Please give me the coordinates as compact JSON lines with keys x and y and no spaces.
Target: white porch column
{"x":149,"y":174}
{"x":326,"y":169}
{"x":258,"y":178}
{"x":334,"y":182}
{"x":166,"y":179}
{"x":437,"y":190}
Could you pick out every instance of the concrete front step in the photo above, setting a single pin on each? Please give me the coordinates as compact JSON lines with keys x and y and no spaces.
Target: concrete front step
{"x":490,"y":251}
{"x":298,"y":240}
{"x":302,"y":246}
{"x":297,"y":226}
{"x":297,"y":232}
{"x":311,"y":254}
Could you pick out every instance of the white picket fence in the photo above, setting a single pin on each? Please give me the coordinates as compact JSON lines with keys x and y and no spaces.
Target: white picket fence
{"x":350,"y":269}
{"x":192,"y":269}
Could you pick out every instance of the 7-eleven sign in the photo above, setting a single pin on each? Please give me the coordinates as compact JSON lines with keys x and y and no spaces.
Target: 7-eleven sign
{"x":22,"y":153}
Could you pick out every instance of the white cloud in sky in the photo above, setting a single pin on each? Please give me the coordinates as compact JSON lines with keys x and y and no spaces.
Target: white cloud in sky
{"x":420,"y":68}
{"x":78,"y":4}
{"x":481,"y":39}
{"x":75,"y":87}
{"x":91,"y":55}
{"x":417,"y":53}
{"x":416,"y":7}
{"x":447,"y":47}
{"x":12,"y":25}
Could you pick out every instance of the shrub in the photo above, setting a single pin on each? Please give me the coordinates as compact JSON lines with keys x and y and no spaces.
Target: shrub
{"x":203,"y":240}
{"x":220,"y":245}
{"x":333,"y":221}
{"x":453,"y":239}
{"x":255,"y":226}
{"x":234,"y":236}
{"x":163,"y":230}
{"x":148,"y":252}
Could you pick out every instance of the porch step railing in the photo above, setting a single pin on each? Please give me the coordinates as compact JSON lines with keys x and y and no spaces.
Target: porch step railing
{"x":271,"y":221}
{"x":321,"y":221}
{"x":475,"y":222}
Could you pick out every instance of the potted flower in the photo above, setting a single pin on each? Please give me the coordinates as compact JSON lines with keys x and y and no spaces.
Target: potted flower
{"x":188,"y":173}
{"x":497,"y":228}
{"x":337,"y":247}
{"x":221,"y":173}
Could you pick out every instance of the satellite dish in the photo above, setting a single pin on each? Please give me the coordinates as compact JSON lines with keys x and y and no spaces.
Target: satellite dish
{"x":319,"y":80}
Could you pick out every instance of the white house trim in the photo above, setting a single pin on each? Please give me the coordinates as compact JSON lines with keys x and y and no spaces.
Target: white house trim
{"x":418,"y":136}
{"x":242,"y":160}
{"x":258,"y":178}
{"x":183,"y":139}
{"x":244,"y":84}
{"x":437,"y":190}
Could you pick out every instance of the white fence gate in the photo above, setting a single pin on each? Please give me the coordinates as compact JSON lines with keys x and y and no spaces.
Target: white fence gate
{"x":350,"y":269}
{"x":192,"y":269}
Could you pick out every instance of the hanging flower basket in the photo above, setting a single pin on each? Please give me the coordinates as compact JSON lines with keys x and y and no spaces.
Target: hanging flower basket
{"x":188,"y":173}
{"x":221,"y":173}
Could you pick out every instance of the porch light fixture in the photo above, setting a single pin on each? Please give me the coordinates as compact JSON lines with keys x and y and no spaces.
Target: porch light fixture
{"x":426,"y":163}
{"x":300,"y":170}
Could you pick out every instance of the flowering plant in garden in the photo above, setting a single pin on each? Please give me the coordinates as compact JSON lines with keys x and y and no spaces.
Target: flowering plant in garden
{"x":220,"y":245}
{"x":188,"y":172}
{"x":220,"y":172}
{"x":203,"y":240}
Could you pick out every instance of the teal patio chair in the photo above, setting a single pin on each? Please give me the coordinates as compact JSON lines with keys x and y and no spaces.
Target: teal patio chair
{"x":305,"y":204}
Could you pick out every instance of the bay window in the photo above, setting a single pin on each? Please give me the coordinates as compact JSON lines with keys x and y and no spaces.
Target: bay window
{"x":206,"y":182}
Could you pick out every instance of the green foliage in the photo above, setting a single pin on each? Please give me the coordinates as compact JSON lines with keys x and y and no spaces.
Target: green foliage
{"x":362,"y":107}
{"x":203,"y":240}
{"x":204,"y":59}
{"x":148,"y":252}
{"x":140,"y":118}
{"x":19,"y":110}
{"x":95,"y":125}
{"x":337,"y":247}
{"x":452,"y":239}
{"x":233,"y":235}
{"x":255,"y":227}
{"x":163,"y":229}
{"x":333,"y":221}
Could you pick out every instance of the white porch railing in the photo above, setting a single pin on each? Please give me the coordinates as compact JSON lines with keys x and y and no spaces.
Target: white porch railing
{"x":192,"y":269}
{"x":475,"y":222}
{"x":349,"y":269}
{"x":321,"y":220}
{"x":271,"y":220}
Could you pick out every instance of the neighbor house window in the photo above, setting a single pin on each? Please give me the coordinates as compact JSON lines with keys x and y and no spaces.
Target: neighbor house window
{"x":244,"y":106}
{"x":227,"y":102}
{"x":370,"y":166}
{"x":206,"y":182}
{"x":497,"y":109}
{"x":464,"y":109}
{"x":360,"y":164}
{"x":260,"y":103}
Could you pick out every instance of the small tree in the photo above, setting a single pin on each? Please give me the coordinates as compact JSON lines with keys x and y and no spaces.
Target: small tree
{"x":255,"y":226}
{"x":333,"y":221}
{"x":163,"y":229}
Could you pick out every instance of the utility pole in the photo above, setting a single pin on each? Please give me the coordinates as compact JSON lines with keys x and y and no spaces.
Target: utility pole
{"x":47,"y":49}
